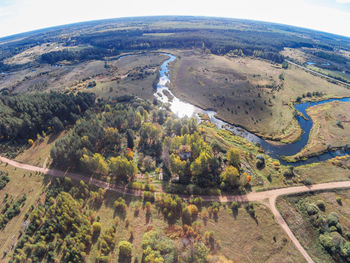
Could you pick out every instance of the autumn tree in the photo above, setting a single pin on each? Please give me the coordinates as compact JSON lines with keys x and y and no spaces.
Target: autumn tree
{"x":233,"y":157}
{"x":96,"y":164}
{"x":230,"y":177}
{"x":125,"y":251}
{"x":122,"y":168}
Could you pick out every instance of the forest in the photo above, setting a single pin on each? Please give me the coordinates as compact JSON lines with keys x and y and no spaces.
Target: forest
{"x":22,"y":117}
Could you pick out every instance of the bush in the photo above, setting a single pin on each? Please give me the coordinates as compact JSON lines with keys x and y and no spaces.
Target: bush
{"x":234,"y":205}
{"x":250,"y":209}
{"x":320,"y":205}
{"x":260,"y":161}
{"x":307,"y":181}
{"x":339,"y":200}
{"x":311,"y":209}
{"x":332,"y":219}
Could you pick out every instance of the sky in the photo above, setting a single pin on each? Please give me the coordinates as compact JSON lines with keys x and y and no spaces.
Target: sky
{"x":18,"y":16}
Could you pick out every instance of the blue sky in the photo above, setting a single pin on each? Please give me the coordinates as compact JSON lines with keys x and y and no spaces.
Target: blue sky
{"x":326,"y":15}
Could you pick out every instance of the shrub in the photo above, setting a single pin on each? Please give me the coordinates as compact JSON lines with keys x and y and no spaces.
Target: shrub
{"x":307,"y":181}
{"x":260,"y":161}
{"x":234,"y":205}
{"x":320,"y":205}
{"x":250,"y":209}
{"x":332,"y":219}
{"x":311,"y":209}
{"x":339,"y":200}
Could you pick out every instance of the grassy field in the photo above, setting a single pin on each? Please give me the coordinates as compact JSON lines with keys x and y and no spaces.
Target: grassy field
{"x":293,"y":210}
{"x":252,"y":93}
{"x":263,"y":240}
{"x":21,"y":182}
{"x":132,"y":75}
{"x":331,"y":124}
{"x":336,"y":169}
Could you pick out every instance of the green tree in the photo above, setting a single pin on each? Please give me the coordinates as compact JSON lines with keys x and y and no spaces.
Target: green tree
{"x":177,"y":166}
{"x":125,"y":251}
{"x":233,"y":157}
{"x":96,"y":164}
{"x":230,"y":176}
{"x":122,"y":168}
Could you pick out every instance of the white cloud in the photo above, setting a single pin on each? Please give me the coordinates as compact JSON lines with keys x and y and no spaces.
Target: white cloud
{"x":25,"y":15}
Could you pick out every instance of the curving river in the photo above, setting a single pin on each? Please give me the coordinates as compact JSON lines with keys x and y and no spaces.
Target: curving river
{"x":183,"y":109}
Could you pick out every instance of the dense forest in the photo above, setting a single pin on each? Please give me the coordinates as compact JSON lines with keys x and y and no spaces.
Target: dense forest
{"x":219,"y":36}
{"x":117,"y":140}
{"x":22,"y":117}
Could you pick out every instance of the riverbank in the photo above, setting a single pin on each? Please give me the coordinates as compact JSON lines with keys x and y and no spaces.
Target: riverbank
{"x":275,"y":151}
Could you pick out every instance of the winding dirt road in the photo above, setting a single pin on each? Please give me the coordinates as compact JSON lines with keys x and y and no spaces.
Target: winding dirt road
{"x":267,"y":197}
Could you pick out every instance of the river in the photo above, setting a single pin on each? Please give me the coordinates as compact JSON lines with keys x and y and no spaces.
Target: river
{"x":182,"y":109}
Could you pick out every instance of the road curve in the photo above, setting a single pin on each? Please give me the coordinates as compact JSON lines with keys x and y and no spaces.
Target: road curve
{"x":270,"y":195}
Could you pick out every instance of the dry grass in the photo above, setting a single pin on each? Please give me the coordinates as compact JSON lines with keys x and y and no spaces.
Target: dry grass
{"x":243,"y":239}
{"x":299,"y":223}
{"x":336,"y":169}
{"x":21,"y":182}
{"x":133,"y":75}
{"x":39,"y":153}
{"x":325,"y":131}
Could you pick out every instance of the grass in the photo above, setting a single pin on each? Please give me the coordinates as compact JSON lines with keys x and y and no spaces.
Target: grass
{"x":336,"y":169}
{"x":331,"y":124}
{"x":243,"y":239}
{"x":248,"y":92}
{"x":131,"y":75}
{"x":21,"y":182}
{"x":293,"y":211}
{"x":39,"y":153}
{"x":257,"y":242}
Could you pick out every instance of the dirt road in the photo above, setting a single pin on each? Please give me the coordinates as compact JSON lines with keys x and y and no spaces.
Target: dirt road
{"x":267,"y":197}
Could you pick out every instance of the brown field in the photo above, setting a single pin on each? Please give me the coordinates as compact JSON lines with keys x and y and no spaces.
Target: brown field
{"x":293,"y":211}
{"x":326,"y":130}
{"x":252,"y":93}
{"x":29,"y":55}
{"x":336,"y":169}
{"x":134,"y":75}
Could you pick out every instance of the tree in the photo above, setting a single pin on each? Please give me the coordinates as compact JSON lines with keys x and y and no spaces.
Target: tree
{"x":57,"y":125}
{"x":125,"y":251}
{"x":96,"y":163}
{"x":112,"y":138}
{"x":230,"y":176}
{"x":130,"y":138}
{"x":233,"y":157}
{"x":122,"y":168}
{"x":96,"y":229}
{"x":177,"y":166}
